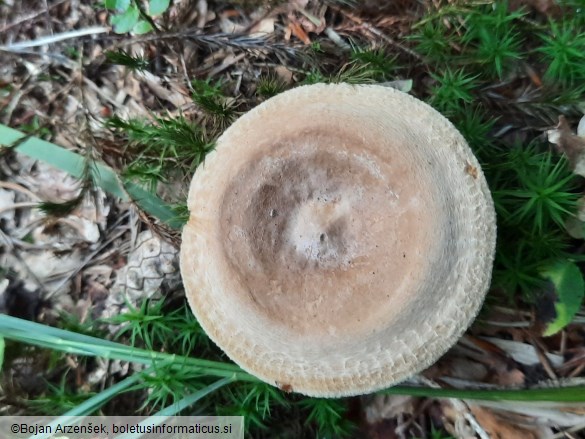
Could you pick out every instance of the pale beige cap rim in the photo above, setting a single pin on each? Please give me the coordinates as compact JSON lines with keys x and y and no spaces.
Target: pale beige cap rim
{"x":360,"y":369}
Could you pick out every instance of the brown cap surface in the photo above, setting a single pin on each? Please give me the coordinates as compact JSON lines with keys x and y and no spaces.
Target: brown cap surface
{"x":340,"y":239}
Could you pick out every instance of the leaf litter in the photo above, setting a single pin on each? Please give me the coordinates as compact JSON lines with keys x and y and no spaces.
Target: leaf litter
{"x":106,"y":256}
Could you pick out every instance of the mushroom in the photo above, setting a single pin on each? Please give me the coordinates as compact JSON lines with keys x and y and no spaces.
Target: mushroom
{"x":341,"y":238}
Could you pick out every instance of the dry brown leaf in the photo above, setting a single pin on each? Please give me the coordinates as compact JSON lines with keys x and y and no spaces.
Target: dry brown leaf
{"x":228,"y":26}
{"x":299,"y":4}
{"x":7,"y":199}
{"x":454,"y":420}
{"x":502,"y":369}
{"x":161,"y":92}
{"x":533,"y":75}
{"x":389,"y":407}
{"x":510,"y":378}
{"x":538,"y":413}
{"x":284,"y":74}
{"x":299,"y":32}
{"x":571,"y":144}
{"x":313,"y":21}
{"x":50,"y":268}
{"x":48,"y":182}
{"x":499,"y":428}
{"x":465,"y":369}
{"x":523,"y":353}
{"x":263,"y":27}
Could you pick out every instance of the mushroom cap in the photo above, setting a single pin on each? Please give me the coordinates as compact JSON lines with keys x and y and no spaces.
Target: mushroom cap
{"x":341,"y":239}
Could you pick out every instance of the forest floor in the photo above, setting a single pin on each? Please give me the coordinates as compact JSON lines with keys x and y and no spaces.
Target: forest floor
{"x":139,"y":94}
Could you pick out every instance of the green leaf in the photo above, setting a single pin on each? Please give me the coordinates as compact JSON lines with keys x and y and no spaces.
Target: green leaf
{"x":569,"y":288}
{"x":142,"y":27}
{"x":117,"y":5}
{"x":125,"y":22}
{"x":157,"y":7}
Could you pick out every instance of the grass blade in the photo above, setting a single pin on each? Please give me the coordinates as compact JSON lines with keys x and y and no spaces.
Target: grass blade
{"x":105,"y":176}
{"x":78,"y":344}
{"x":58,"y":339}
{"x":174,"y":409}
{"x":189,"y":400}
{"x":86,"y":408}
{"x":556,"y":394}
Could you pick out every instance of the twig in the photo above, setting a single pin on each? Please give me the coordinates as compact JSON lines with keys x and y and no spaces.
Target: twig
{"x":540,"y":349}
{"x":234,"y":41}
{"x":506,"y":324}
{"x":17,"y":242}
{"x":368,"y":27}
{"x":57,"y":57}
{"x":48,"y":17}
{"x":17,"y":47}
{"x":19,"y":188}
{"x":336,"y":38}
{"x":577,"y":371}
{"x":226,"y":63}
{"x":563,"y":346}
{"x":18,"y":206}
{"x":573,"y":429}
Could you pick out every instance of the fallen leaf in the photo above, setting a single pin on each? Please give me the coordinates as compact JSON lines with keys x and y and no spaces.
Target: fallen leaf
{"x":228,"y":26}
{"x":573,"y":145}
{"x":155,"y":85}
{"x":389,"y":407}
{"x":284,"y":74}
{"x":263,"y":27}
{"x":542,"y":413}
{"x":7,"y":199}
{"x":498,"y":427}
{"x":523,"y":353}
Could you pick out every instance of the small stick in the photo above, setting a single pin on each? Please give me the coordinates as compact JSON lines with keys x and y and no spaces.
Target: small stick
{"x":543,"y":359}
{"x":380,"y":34}
{"x":16,"y":47}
